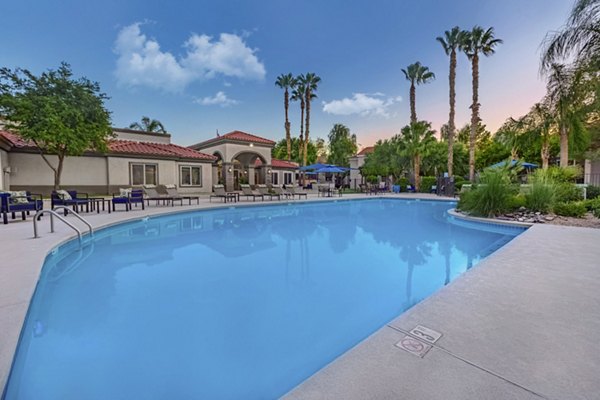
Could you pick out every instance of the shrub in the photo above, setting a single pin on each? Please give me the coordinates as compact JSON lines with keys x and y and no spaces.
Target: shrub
{"x":564,"y":174}
{"x":593,"y":206}
{"x":426,"y":183}
{"x":574,"y":209}
{"x":459,"y":182}
{"x":566,"y":192}
{"x":517,"y":201}
{"x":593,"y":192}
{"x":540,"y":194}
{"x":491,"y":197}
{"x":403,"y":182}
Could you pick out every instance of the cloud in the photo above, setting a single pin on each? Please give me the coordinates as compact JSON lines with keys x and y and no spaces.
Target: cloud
{"x":141,"y":62}
{"x":219,"y":99}
{"x":364,"y":104}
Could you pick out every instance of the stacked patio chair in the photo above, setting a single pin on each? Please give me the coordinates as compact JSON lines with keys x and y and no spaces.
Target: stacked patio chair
{"x":70,"y":198}
{"x":23,"y":202}
{"x":128,"y":197}
{"x":151,"y":193}
{"x":248,"y":193}
{"x":292,"y":191}
{"x":279,"y":191}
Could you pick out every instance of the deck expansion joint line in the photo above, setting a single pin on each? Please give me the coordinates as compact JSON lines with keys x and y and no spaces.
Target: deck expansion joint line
{"x":474,"y":365}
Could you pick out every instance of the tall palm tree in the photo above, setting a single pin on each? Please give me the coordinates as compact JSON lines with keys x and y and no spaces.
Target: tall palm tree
{"x":311,"y":83}
{"x":477,"y":41}
{"x":578,"y":39}
{"x":414,"y":141}
{"x":452,"y":41}
{"x":298,"y":95}
{"x":540,"y":121}
{"x":148,"y":125}
{"x":417,"y":74}
{"x":286,"y":82}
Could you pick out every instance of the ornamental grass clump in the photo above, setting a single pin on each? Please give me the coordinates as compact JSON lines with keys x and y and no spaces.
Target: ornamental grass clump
{"x":541,"y":196}
{"x":491,"y":197}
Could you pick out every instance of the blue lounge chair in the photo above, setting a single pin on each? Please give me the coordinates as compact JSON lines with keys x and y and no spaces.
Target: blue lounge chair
{"x":411,"y":189}
{"x":136,"y":196}
{"x":75,"y":200}
{"x":13,"y":203}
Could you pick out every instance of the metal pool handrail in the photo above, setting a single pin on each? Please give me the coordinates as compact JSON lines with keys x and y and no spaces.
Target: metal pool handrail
{"x":79,"y":217}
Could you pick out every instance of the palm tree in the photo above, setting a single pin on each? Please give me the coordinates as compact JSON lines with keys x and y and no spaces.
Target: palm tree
{"x":477,"y":41}
{"x":148,"y":125}
{"x":539,"y":122}
{"x":452,"y":41}
{"x":578,"y":39}
{"x":311,"y":82}
{"x":298,"y":95}
{"x":414,"y":141}
{"x":416,"y":74}
{"x":286,"y":82}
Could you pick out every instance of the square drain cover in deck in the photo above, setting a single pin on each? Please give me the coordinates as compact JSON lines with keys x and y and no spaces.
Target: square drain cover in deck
{"x":413,"y":346}
{"x":426,"y":334}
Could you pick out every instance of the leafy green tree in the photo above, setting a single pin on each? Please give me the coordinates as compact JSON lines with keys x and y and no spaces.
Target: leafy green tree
{"x":314,"y":149}
{"x":452,"y":41}
{"x":286,"y":82}
{"x":415,"y":139}
{"x":579,"y":38}
{"x":342,"y":145}
{"x":477,"y":41}
{"x":416,"y":74}
{"x":148,"y":125}
{"x":311,"y":82}
{"x":61,"y":115}
{"x":385,"y":160}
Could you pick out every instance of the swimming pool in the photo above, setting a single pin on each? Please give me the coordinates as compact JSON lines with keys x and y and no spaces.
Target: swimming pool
{"x":233,"y":303}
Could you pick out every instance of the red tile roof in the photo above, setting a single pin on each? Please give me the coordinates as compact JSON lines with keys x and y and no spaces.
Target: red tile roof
{"x":275,"y":163}
{"x":239,"y":136}
{"x":128,"y":147}
{"x":366,"y":150}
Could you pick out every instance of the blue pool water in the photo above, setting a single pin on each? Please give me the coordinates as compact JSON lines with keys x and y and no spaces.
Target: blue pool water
{"x":234,"y":303}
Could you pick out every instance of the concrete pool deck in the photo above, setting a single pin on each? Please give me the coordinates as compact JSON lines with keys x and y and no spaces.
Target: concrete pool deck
{"x":523,"y":324}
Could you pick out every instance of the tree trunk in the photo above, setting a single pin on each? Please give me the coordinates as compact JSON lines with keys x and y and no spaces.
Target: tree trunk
{"x":417,"y":171}
{"x":301,"y":144}
{"x":451,"y":127}
{"x":474,"y":117}
{"x":545,"y":153}
{"x":564,"y":145}
{"x":288,"y":138}
{"x":413,"y":99}
{"x":307,"y":126}
{"x":58,"y":172}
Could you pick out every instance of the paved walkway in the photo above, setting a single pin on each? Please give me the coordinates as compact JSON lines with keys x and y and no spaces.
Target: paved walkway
{"x":523,"y":324}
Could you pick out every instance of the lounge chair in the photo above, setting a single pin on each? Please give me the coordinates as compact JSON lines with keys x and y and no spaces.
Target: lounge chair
{"x":23,"y":202}
{"x":278,"y":190}
{"x":264,"y":190}
{"x":151,"y":193}
{"x":128,"y":197}
{"x":293,"y":192}
{"x":171,"y":190}
{"x":248,"y":192}
{"x":70,"y":198}
{"x":219,"y":192}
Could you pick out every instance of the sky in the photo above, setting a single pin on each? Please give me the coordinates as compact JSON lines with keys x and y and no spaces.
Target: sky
{"x":206,"y":66}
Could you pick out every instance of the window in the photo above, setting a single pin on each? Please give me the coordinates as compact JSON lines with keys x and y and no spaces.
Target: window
{"x":190,"y":176}
{"x":143,"y":174}
{"x":275,"y":178}
{"x":287,"y":178}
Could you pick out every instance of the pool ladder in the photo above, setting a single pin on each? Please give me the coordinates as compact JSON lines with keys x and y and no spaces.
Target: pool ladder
{"x":53,"y":214}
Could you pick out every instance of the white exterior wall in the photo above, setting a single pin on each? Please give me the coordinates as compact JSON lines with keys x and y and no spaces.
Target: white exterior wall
{"x":4,"y":176}
{"x":230,"y":150}
{"x":280,"y":172}
{"x":143,"y":137}
{"x":207,"y":178}
{"x":355,"y":176}
{"x":30,"y":169}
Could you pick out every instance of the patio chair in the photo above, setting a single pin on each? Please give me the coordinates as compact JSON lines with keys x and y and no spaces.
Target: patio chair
{"x":292,"y":191}
{"x":70,"y":198}
{"x":171,"y":190}
{"x":264,"y":190}
{"x":23,"y":202}
{"x":278,"y":190}
{"x":163,"y":192}
{"x":128,"y":197}
{"x":220,"y":193}
{"x":150,"y":193}
{"x":248,"y":192}
{"x":411,"y":189}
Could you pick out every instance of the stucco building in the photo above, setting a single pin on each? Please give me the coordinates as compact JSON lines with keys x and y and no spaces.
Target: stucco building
{"x":356,"y":162}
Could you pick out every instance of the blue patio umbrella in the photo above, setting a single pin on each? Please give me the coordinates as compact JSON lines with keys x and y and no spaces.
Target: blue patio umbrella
{"x":513,"y":163}
{"x":313,"y":167}
{"x":331,"y":169}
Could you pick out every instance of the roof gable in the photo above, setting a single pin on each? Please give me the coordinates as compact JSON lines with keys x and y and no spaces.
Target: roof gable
{"x":237,"y":136}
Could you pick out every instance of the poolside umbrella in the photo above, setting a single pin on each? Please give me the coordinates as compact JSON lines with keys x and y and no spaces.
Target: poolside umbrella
{"x":513,"y":163}
{"x":330,"y":169}
{"x":313,"y":167}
